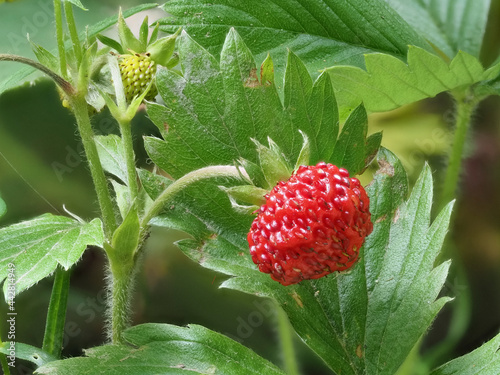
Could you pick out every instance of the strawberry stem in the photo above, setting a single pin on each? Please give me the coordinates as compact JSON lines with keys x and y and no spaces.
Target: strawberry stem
{"x":465,"y":105}
{"x":183,"y":182}
{"x":80,"y":109}
{"x":60,"y":81}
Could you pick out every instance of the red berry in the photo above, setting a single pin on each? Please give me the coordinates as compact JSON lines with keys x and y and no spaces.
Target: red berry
{"x":311,"y":225}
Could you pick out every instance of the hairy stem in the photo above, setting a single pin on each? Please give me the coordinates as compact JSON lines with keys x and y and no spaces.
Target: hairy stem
{"x":285,"y":332}
{"x":60,"y":37}
{"x":70,"y":20}
{"x":56,"y":316}
{"x":128,"y":145}
{"x":60,"y":81}
{"x":183,"y":182}
{"x":80,"y":110}
{"x":465,"y":108}
{"x":121,"y":287}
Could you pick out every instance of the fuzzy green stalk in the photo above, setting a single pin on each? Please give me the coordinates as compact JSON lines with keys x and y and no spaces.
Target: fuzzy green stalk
{"x":60,"y":37}
{"x":184,"y":181}
{"x":285,"y":333}
{"x":70,"y":21}
{"x":128,"y":145}
{"x":120,"y":287}
{"x":56,"y":316}
{"x":60,"y":81}
{"x":80,"y":110}
{"x":465,"y":106}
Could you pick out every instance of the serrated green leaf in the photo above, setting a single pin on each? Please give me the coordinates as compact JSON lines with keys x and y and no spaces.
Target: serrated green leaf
{"x":313,"y":106}
{"x":28,"y":353}
{"x":451,"y":25}
{"x":167,"y":349}
{"x":351,"y":151}
{"x":22,"y":74}
{"x":358,"y":315}
{"x":36,"y":246}
{"x":211,"y":114}
{"x":321,"y":33}
{"x":388,"y":83}
{"x":153,"y":183}
{"x":112,"y":155}
{"x":483,"y":360}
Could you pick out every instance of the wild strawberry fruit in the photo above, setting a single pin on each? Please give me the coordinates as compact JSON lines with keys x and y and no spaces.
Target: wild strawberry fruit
{"x":311,"y":225}
{"x":137,"y":71}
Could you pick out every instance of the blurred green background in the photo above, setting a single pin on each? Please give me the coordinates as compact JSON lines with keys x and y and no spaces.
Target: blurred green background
{"x":42,"y":169}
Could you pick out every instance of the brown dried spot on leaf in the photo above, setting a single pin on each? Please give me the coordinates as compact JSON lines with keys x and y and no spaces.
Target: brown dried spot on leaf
{"x":297,"y":299}
{"x":359,"y":351}
{"x":385,"y":168}
{"x":252,"y":81}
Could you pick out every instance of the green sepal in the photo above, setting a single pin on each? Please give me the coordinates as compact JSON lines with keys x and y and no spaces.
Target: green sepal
{"x":144,"y":31}
{"x":174,"y":60}
{"x":111,"y":43}
{"x":305,"y":152}
{"x":161,"y":50}
{"x":134,"y":106}
{"x":126,"y":237}
{"x":154,"y":34}
{"x":128,"y":40}
{"x":246,"y":194}
{"x":255,"y":173}
{"x":273,"y":163}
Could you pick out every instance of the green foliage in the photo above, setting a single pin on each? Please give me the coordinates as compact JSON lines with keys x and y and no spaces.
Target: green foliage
{"x":335,"y":36}
{"x":352,"y":320}
{"x":28,"y":353}
{"x":166,"y":349}
{"x":389,"y":83}
{"x":483,"y":360}
{"x":37,"y":246}
{"x":450,"y":25}
{"x":112,"y":155}
{"x":21,"y":75}
{"x":321,"y":34}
